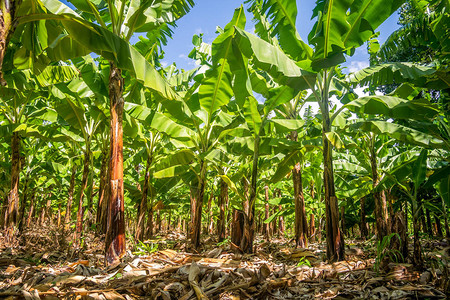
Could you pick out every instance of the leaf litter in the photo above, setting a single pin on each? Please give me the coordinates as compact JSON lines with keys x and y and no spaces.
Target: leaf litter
{"x":42,"y":265}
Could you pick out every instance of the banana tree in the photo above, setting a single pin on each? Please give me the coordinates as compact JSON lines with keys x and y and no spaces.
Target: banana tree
{"x":107,"y":30}
{"x":69,"y":103}
{"x":339,"y":29}
{"x":18,"y":103}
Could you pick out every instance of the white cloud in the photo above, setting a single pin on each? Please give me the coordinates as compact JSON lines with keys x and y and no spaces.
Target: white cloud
{"x":357,"y":65}
{"x":164,"y":64}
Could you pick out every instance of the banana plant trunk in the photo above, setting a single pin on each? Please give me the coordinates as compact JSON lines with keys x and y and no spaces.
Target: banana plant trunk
{"x":13,"y":197}
{"x":381,"y":214}
{"x":140,"y":226}
{"x":363,"y":223}
{"x":84,"y":182}
{"x":223,"y":200}
{"x":23,"y":203}
{"x":301,"y":225}
{"x":249,"y":211}
{"x":31,"y":211}
{"x":103,"y":192}
{"x":70,"y":199}
{"x":115,"y":230}
{"x":417,"y":252}
{"x":335,"y":239}
{"x":266,"y":226}
{"x":149,"y":232}
{"x":196,"y":208}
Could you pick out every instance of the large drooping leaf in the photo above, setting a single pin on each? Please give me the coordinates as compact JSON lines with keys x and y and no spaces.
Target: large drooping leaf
{"x":112,"y":48}
{"x":394,"y":107}
{"x":216,"y":90}
{"x":282,"y":15}
{"x":327,"y":33}
{"x":287,"y":125}
{"x":364,"y":17}
{"x":252,"y":115}
{"x":400,"y":133}
{"x":420,"y":169}
{"x":397,"y":72}
{"x":158,"y":121}
{"x":274,"y":61}
{"x":178,"y":158}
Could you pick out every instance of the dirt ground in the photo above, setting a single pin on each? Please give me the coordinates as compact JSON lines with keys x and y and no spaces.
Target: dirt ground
{"x":42,"y":264}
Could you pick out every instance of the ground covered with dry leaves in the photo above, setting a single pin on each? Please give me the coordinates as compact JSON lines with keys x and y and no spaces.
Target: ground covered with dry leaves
{"x":44,"y":265}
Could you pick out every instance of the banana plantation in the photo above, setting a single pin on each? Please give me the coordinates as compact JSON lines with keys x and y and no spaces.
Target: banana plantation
{"x":267,"y":171}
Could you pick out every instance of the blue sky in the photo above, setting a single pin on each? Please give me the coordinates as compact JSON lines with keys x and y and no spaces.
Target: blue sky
{"x":207,"y":14}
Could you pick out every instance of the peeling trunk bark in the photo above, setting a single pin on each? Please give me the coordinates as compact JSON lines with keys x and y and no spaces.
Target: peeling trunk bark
{"x":103,"y":192}
{"x":209,"y":226}
{"x":429,"y":228}
{"x":363,"y":223}
{"x":196,"y":208}
{"x":301,"y":226}
{"x":438,"y":226}
{"x":115,"y":234}
{"x":150,"y":219}
{"x":248,"y":233}
{"x":58,"y":220}
{"x":31,"y":211}
{"x":223,"y":200}
{"x":381,"y":214}
{"x":237,"y":228}
{"x":84,"y":182}
{"x":266,"y":226}
{"x":70,"y":200}
{"x":312,"y":228}
{"x":417,"y":252}
{"x":13,"y":197}
{"x":140,"y":226}
{"x":343,"y":220}
{"x":23,"y":204}
{"x":335,"y":239}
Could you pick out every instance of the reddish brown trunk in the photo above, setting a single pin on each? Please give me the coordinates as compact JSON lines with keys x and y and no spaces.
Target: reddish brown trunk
{"x":246,"y":244}
{"x":210,"y":215}
{"x":13,"y":198}
{"x":266,"y":228}
{"x":335,"y":239}
{"x":196,"y":207}
{"x":223,"y":200}
{"x":281,"y":221}
{"x":46,"y":211}
{"x":363,"y":223}
{"x":438,"y":227}
{"x":140,"y":226}
{"x":301,"y":226}
{"x":31,"y":212}
{"x":158,"y":220}
{"x":343,"y":220}
{"x":274,"y":222}
{"x":381,"y":214}
{"x":115,"y":234}
{"x":429,"y":228}
{"x":312,"y":228}
{"x":23,"y":204}
{"x":84,"y":181}
{"x":70,"y":200}
{"x":237,"y":228}
{"x":150,"y":220}
{"x":58,"y":220}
